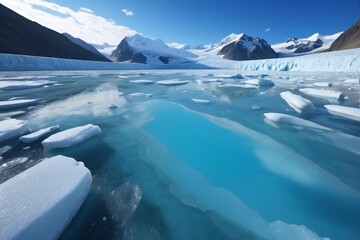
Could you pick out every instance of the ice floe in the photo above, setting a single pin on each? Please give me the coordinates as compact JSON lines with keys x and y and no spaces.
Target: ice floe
{"x":322,"y":84}
{"x":11,"y":114}
{"x":10,"y":128}
{"x":322,"y":93}
{"x":17,"y":85}
{"x":201,"y":101}
{"x":39,"y":202}
{"x":71,"y":136}
{"x":173,"y":82}
{"x":236,"y":85}
{"x":141,"y":81}
{"x":32,"y":137}
{"x":342,"y":111}
{"x":139,"y":94}
{"x":283,"y":119}
{"x":16,"y":103}
{"x":298,"y":103}
{"x":260,"y":82}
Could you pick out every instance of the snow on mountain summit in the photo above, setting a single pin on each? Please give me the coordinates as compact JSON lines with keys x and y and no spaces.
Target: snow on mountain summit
{"x":300,"y":46}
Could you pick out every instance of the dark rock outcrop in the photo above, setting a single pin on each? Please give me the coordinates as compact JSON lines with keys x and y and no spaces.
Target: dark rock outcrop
{"x":247,"y":48}
{"x":19,"y":35}
{"x":348,"y":39}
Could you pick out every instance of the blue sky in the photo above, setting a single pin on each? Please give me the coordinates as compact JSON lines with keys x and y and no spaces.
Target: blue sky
{"x":208,"y":21}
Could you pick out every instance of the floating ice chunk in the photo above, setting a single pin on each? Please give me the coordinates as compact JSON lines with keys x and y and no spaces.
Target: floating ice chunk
{"x":210,"y":80}
{"x":11,"y":114}
{"x":39,"y":202}
{"x":10,"y":128}
{"x":352,"y":81}
{"x":260,"y":82}
{"x":298,"y":103}
{"x":32,"y":137}
{"x":173,"y":82}
{"x":17,"y":85}
{"x":16,"y":103}
{"x":139,"y":94}
{"x":71,"y":136}
{"x":322,"y":84}
{"x":342,"y":111}
{"x":201,"y":101}
{"x":12,"y":163}
{"x":322,"y":93}
{"x":279,"y":119}
{"x":123,"y":202}
{"x":5,"y":149}
{"x":235,"y":85}
{"x":142,"y":81}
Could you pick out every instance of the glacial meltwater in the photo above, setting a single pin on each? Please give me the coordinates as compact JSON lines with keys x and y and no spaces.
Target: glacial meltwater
{"x":194,"y":154}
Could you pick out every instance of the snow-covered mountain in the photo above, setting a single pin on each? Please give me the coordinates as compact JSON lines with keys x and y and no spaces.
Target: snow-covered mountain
{"x":82,"y":44}
{"x":300,"y":46}
{"x":244,"y":47}
{"x":139,"y":49}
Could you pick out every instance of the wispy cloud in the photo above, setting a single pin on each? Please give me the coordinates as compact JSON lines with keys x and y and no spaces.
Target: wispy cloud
{"x":128,"y":12}
{"x":81,"y":23}
{"x":268,"y":30}
{"x":86,"y":10}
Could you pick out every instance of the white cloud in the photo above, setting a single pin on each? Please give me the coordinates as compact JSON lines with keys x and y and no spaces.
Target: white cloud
{"x":82,"y":23}
{"x":268,"y":30}
{"x":86,"y":10}
{"x":128,"y":12}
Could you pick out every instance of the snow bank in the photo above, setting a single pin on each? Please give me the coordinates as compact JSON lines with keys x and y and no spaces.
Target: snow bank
{"x":17,"y":85}
{"x":322,"y":93}
{"x":10,"y":128}
{"x":39,"y":202}
{"x":346,"y":112}
{"x":284,"y":119}
{"x":32,"y":137}
{"x":71,"y":136}
{"x":298,"y":103}
{"x":16,"y":103}
{"x":173,"y":82}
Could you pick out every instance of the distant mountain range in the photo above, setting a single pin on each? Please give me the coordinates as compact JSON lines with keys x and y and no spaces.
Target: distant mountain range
{"x":18,"y":35}
{"x":300,"y":46}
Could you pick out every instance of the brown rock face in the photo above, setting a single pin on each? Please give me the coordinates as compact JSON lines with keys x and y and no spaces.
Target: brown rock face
{"x":348,"y":40}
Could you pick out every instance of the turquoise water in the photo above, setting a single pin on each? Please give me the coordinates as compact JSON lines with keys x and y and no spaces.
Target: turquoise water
{"x":206,"y":171}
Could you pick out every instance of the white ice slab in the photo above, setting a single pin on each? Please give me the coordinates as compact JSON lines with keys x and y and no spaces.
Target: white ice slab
{"x":260,"y":82}
{"x":139,"y":94}
{"x":173,"y":82}
{"x":141,"y":81}
{"x":39,"y":202}
{"x":32,"y":137}
{"x":284,"y":119}
{"x":200,"y":101}
{"x":10,"y":128}
{"x":16,"y":103}
{"x":322,"y":93}
{"x":342,"y":111}
{"x":71,"y":136}
{"x":322,"y":84}
{"x":235,"y":85}
{"x":11,"y":114}
{"x":298,"y":103}
{"x":18,"y":85}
